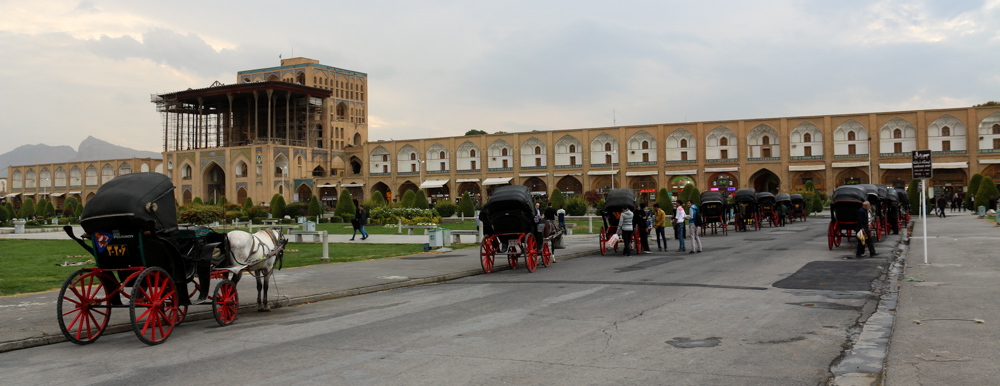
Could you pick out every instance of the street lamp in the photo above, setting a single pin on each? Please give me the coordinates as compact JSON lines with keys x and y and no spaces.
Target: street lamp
{"x":869,"y":158}
{"x":614,"y":155}
{"x":44,"y":186}
{"x":284,"y":172}
{"x":420,"y":168}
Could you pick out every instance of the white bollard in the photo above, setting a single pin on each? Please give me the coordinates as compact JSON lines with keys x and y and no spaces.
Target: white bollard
{"x":326,"y":248}
{"x":400,"y":226}
{"x":590,"y":224}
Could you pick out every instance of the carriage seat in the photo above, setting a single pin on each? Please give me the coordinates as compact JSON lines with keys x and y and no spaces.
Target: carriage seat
{"x":191,"y":239}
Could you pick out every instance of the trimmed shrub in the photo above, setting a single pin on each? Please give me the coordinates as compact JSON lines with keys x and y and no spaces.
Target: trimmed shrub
{"x":336,"y":219}
{"x":420,"y":200}
{"x":446,"y":208}
{"x":78,"y":211}
{"x":686,"y":193}
{"x":377,"y":200}
{"x":71,"y":202}
{"x":913,"y":194}
{"x":409,"y":216}
{"x":4,"y":216}
{"x":10,"y":210}
{"x":315,"y":209}
{"x":223,"y":201}
{"x":345,"y":205}
{"x":663,"y":198}
{"x":558,"y":200}
{"x":600,"y":206}
{"x":247,"y":205}
{"x":27,"y":209}
{"x":297,"y":209}
{"x":987,"y":193}
{"x":277,"y":206}
{"x":199,"y":214}
{"x":40,"y":207}
{"x":465,"y":206}
{"x":50,"y":211}
{"x":695,"y":196}
{"x":810,"y":187}
{"x":197,"y":201}
{"x":974,"y":183}
{"x":592,"y":197}
{"x":576,"y":206}
{"x":257,"y":213}
{"x":407,"y":201}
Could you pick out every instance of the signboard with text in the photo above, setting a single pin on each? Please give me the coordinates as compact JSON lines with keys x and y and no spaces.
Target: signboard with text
{"x":922,"y":164}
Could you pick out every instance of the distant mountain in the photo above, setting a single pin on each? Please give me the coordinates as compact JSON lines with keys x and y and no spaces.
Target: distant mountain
{"x":91,"y":149}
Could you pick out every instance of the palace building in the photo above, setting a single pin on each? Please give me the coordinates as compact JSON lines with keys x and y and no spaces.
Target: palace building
{"x":300,"y":129}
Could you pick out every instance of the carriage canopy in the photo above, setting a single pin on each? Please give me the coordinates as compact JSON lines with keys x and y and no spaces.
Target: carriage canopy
{"x":746,"y":195}
{"x":783,"y":197}
{"x":849,"y":193}
{"x":798,"y":199}
{"x":142,"y":201}
{"x":710,"y":197}
{"x":511,"y":209}
{"x":620,"y":198}
{"x":765,"y":198}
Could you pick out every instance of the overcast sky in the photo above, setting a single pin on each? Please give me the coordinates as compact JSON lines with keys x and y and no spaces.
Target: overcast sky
{"x":69,"y":69}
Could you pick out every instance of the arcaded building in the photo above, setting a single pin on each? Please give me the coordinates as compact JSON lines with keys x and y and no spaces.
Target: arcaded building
{"x":58,"y":181}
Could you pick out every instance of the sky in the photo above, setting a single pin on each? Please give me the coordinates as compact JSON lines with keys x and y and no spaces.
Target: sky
{"x":72,"y":69}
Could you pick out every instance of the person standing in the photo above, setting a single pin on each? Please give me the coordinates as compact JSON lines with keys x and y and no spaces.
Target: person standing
{"x":354,"y":221}
{"x":863,"y":220}
{"x":678,"y":222}
{"x":626,"y":227}
{"x":561,"y":214}
{"x":941,"y":204}
{"x":642,"y":226}
{"x":659,"y":223}
{"x":362,"y":220}
{"x":693,"y":227}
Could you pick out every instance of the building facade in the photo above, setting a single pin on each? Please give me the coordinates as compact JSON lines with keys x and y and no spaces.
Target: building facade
{"x":58,"y":181}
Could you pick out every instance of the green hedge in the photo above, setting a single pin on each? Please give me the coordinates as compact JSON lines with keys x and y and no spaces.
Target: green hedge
{"x":446,"y":208}
{"x":408,"y":215}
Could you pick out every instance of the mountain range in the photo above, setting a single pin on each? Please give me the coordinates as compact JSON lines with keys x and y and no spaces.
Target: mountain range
{"x":91,"y":149}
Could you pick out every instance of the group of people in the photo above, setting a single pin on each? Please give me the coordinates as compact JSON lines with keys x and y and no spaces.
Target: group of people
{"x":685,"y":223}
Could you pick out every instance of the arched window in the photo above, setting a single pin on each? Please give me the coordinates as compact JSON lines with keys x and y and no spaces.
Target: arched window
{"x":807,"y":137}
{"x":413,"y":156}
{"x":472,"y":153}
{"x":765,"y":141}
{"x":723,"y":141}
{"x":503,"y":152}
{"x":538,"y":150}
{"x":441,"y":155}
{"x":996,"y":128}
{"x":851,"y":136}
{"x":607,"y":146}
{"x":186,"y":172}
{"x":645,"y":145}
{"x":945,"y":131}
{"x":572,"y":148}
{"x":607,"y":158}
{"x":684,"y":143}
{"x":897,"y":133}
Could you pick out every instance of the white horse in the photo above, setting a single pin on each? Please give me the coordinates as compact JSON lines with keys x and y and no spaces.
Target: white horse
{"x":255,"y":253}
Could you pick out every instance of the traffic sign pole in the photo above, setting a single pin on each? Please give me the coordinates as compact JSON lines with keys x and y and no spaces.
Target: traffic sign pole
{"x":922,"y":167}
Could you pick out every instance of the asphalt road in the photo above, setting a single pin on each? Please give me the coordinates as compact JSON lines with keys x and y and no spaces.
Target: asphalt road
{"x":716,"y":317}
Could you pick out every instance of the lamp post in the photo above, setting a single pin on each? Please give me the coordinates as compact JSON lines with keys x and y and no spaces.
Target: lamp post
{"x":869,"y":158}
{"x":284,"y":172}
{"x":420,"y":169}
{"x":614,"y":155}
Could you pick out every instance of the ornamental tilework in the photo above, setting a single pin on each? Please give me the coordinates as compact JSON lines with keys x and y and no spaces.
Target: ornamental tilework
{"x":241,"y":185}
{"x":280,"y":150}
{"x":299,"y":153}
{"x":308,"y":183}
{"x":219,"y":156}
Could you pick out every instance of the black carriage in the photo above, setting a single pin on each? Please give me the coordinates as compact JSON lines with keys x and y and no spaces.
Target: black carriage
{"x":875,"y":197}
{"x":713,"y":212}
{"x":847,"y":199}
{"x":614,"y":204}
{"x":784,"y":200}
{"x":768,"y":207}
{"x":511,"y":213}
{"x":799,"y":208}
{"x":143,"y":256}
{"x":904,"y":207}
{"x":747,"y":212}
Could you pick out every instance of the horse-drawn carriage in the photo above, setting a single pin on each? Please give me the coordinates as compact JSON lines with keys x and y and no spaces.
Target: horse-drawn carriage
{"x":876,"y":197}
{"x":784,"y":200}
{"x":847,"y":199}
{"x":616,"y":202}
{"x":904,"y":207}
{"x":511,"y":215}
{"x":747,"y":212}
{"x":713,"y":212}
{"x":799,"y":209}
{"x":768,"y":207}
{"x":142,"y":255}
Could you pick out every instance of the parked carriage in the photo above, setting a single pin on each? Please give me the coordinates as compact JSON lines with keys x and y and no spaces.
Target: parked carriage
{"x":799,"y":208}
{"x":768,"y":205}
{"x":847,"y":199}
{"x":875,"y":198}
{"x":747,"y":212}
{"x":904,"y":207}
{"x":511,"y":212}
{"x":785,"y":200}
{"x":713,"y":212}
{"x":142,"y":256}
{"x":614,"y":204}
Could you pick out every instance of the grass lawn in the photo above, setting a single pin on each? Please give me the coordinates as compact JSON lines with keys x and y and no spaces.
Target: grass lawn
{"x":28,"y":266}
{"x":346,"y":229}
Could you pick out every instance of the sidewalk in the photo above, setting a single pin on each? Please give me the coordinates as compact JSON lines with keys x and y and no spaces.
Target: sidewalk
{"x":936,"y":339}
{"x":30,"y":320}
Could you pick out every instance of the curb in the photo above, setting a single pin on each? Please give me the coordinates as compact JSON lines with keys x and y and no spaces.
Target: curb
{"x":299,"y":300}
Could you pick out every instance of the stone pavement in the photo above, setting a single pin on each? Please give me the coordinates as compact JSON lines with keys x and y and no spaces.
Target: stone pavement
{"x":30,"y":320}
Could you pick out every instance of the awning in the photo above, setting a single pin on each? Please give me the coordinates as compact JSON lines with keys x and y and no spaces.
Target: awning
{"x":716,"y":170}
{"x":497,"y":181}
{"x":897,"y":165}
{"x":74,"y":192}
{"x":327,"y":186}
{"x":57,"y":194}
{"x":989,"y":161}
{"x":533,"y":175}
{"x":13,"y":194}
{"x":460,"y":180}
{"x":433,"y":184}
{"x":850,"y":164}
{"x":602,"y":172}
{"x":29,"y":194}
{"x":352,"y":185}
{"x":645,"y":173}
{"x":805,"y":168}
{"x":680,"y":173}
{"x":950,"y":165}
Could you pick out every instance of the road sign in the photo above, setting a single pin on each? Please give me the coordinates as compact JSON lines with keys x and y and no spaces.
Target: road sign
{"x":922,"y":164}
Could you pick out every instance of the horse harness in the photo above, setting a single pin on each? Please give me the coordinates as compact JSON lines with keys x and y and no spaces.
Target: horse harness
{"x":256,"y":246}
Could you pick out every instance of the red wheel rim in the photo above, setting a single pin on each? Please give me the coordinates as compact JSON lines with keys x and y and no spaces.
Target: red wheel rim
{"x":155,"y":297}
{"x":831,"y":234}
{"x":226,"y":303}
{"x":546,"y":254}
{"x":530,"y":253}
{"x":89,"y":316}
{"x":486,"y":256}
{"x":604,"y":240}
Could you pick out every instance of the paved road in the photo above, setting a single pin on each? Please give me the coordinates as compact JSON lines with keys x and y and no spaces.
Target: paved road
{"x":767,"y":307}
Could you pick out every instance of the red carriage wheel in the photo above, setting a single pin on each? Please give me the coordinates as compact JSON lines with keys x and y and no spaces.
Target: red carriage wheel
{"x":756,"y":220}
{"x":840,"y":234}
{"x":604,"y":240}
{"x":546,"y":253}
{"x":154,"y":306}
{"x":225,"y":303}
{"x":487,"y":254}
{"x":530,"y":253}
{"x":636,"y":239}
{"x":831,"y":234}
{"x":86,"y":315}
{"x":512,"y":256}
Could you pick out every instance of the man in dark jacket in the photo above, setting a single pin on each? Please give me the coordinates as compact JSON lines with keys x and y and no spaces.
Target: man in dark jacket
{"x":862,"y":227}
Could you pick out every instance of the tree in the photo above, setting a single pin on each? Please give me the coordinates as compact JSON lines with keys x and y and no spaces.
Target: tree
{"x":247,"y":206}
{"x":314,"y":208}
{"x":987,"y":193}
{"x":223,"y":201}
{"x":10,"y":210}
{"x":465,"y":206}
{"x":810,"y":187}
{"x":663,"y":198}
{"x":197,"y":201}
{"x":913,"y":194}
{"x":78,"y":211}
{"x":558,"y":200}
{"x":686,"y":193}
{"x":345,"y":206}
{"x":989,"y":103}
{"x":592,"y":197}
{"x":974,"y":183}
{"x":378,"y":200}
{"x":27,"y":209}
{"x":40,"y":207}
{"x":420,"y":200}
{"x":71,"y":203}
{"x":3,"y":215}
{"x":475,"y":132}
{"x":50,"y":211}
{"x":277,"y":206}
{"x":817,"y":202}
{"x":407,"y":201}
{"x":576,"y":206}
{"x":695,"y":196}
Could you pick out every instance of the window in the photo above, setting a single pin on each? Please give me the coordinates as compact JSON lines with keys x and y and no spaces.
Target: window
{"x":413,"y":167}
{"x":765,"y":141}
{"x":472,"y":153}
{"x":441,"y":155}
{"x":852,"y":149}
{"x":645,"y":145}
{"x":505,"y":164}
{"x":996,"y":128}
{"x":572,"y":159}
{"x":413,"y":156}
{"x":765,"y":152}
{"x":724,"y":153}
{"x":385,"y":168}
{"x":572,"y":148}
{"x":473,"y":165}
{"x":851,"y":136}
{"x":945,"y":131}
{"x":607,"y":158}
{"x":442,"y":166}
{"x":684,"y":155}
{"x":503,"y":153}
{"x":897,"y":147}
{"x":723,"y":142}
{"x":807,"y":151}
{"x":807,"y":137}
{"x":996,"y":143}
{"x":645,"y":157}
{"x":945,"y":145}
{"x":684,"y":143}
{"x":186,"y":172}
{"x":538,"y":162}
{"x":385,"y":158}
{"x":538,"y":150}
{"x":897,"y":133}
{"x":607,"y":146}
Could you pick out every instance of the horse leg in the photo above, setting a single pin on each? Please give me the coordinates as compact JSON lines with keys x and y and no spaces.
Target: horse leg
{"x":267,"y":306}
{"x":260,"y":308}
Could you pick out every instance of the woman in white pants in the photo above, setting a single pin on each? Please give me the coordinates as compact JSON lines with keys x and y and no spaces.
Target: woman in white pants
{"x":693,"y":229}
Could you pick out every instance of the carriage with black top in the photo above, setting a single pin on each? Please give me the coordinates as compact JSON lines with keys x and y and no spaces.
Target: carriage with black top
{"x":904,"y":207}
{"x":799,"y":209}
{"x":713,"y":212}
{"x":784,"y":200}
{"x":748,"y":214}
{"x":616,"y":202}
{"x":768,"y":205}
{"x":511,"y":213}
{"x":875,"y":197}
{"x":145,"y":262}
{"x":847,"y":199}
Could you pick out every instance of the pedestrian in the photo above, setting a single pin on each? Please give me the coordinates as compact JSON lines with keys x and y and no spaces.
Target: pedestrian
{"x":362,"y":221}
{"x":782,"y":213}
{"x":355,"y":221}
{"x":954,"y":202}
{"x":659,"y":223}
{"x":538,"y":211}
{"x":863,"y":229}
{"x":561,"y":214}
{"x":625,"y":229}
{"x":693,"y":224}
{"x":941,"y":204}
{"x":642,"y":226}
{"x":678,"y":222}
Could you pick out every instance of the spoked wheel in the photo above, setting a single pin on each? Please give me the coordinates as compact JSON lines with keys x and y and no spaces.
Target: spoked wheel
{"x":604,"y":241}
{"x":487,"y":254}
{"x":756,"y":221}
{"x":154,"y":306}
{"x":530,"y":253}
{"x":839,"y":235}
{"x":636,"y":240}
{"x":831,"y":234}
{"x":86,"y":313}
{"x":225,"y":303}
{"x":546,"y":253}
{"x":512,"y":256}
